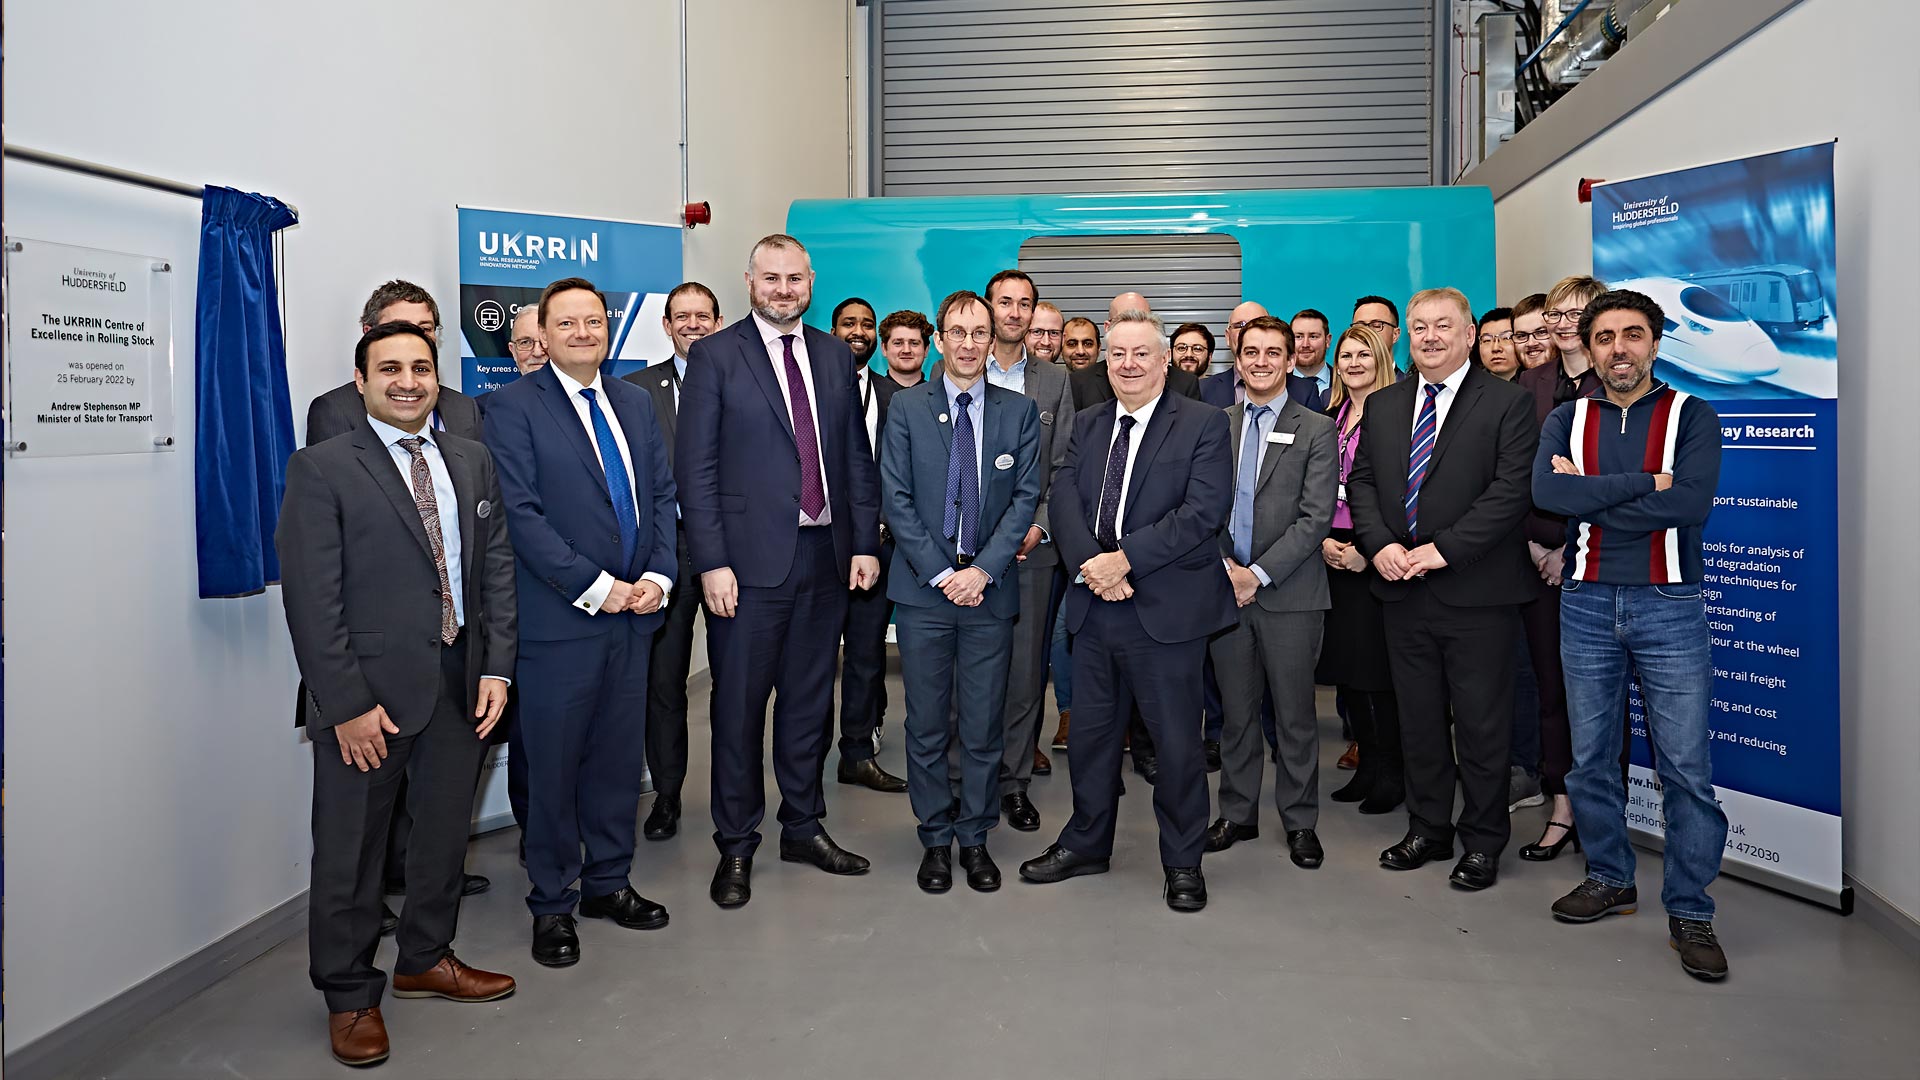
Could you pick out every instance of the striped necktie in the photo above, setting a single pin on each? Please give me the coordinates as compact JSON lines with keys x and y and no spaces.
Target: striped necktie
{"x":1425,"y":433}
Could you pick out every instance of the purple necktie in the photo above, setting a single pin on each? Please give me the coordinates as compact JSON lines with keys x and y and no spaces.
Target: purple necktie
{"x":813,"y":490}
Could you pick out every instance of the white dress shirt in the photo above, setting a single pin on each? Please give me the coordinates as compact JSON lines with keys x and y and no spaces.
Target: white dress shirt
{"x":1442,"y":403}
{"x":596,"y":593}
{"x":870,"y":401}
{"x":770,"y":336}
{"x":1143,"y":417}
{"x":977,"y":412}
{"x":1013,"y":378}
{"x":1257,"y":430}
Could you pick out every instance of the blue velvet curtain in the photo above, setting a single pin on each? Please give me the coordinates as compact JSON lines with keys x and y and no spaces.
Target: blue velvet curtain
{"x":243,"y":421}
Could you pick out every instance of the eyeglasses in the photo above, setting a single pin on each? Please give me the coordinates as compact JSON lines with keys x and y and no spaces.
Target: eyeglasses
{"x":1241,"y":325}
{"x":957,"y":335}
{"x":522,"y":344}
{"x":1571,"y":314}
{"x":1190,"y":350}
{"x":1381,"y":325}
{"x":1488,"y":339}
{"x":1044,"y":333}
{"x":1524,"y":336}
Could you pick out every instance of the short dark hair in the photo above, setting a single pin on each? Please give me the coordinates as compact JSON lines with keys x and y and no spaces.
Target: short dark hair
{"x":1011,"y":275}
{"x":567,"y":284}
{"x":1490,"y":315}
{"x":1191,"y":328}
{"x":1529,"y":304}
{"x":960,"y":298}
{"x":1621,"y":300}
{"x":1094,"y":326}
{"x":1391,"y":306}
{"x":1268,"y":322}
{"x":909,"y":320}
{"x":1326,"y":325}
{"x":686,"y":287}
{"x":392,"y":330}
{"x":397,"y":292}
{"x":844,"y":305}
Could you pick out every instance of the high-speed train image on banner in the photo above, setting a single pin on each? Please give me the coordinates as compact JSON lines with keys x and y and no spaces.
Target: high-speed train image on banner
{"x":1705,"y":336}
{"x":1781,"y":297}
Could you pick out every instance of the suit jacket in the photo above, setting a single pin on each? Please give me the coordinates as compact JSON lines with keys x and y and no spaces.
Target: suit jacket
{"x":738,"y":466}
{"x":361,"y":592}
{"x":1177,"y":501}
{"x":1217,"y":390}
{"x":913,"y":486}
{"x":1477,"y":492}
{"x":1543,"y":528}
{"x":1052,"y":393}
{"x":657,"y":381}
{"x":341,"y":409}
{"x":1090,"y":385}
{"x":558,"y":511}
{"x":1293,"y":497}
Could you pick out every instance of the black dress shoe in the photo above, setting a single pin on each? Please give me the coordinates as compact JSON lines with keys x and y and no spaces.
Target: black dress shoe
{"x":820,"y":850}
{"x":626,"y":907}
{"x":470,"y":884}
{"x":1385,"y":798}
{"x":1148,"y":768}
{"x":1223,"y":834}
{"x":1414,"y":852}
{"x":1212,"y":748}
{"x":867,"y":773}
{"x":1353,"y":790}
{"x":1019,"y":811}
{"x":1303,"y":847}
{"x":1186,"y":890}
{"x":555,"y":941}
{"x":733,"y":882}
{"x":1058,"y":864}
{"x":664,"y":819}
{"x":936,"y":869}
{"x":1475,"y":870}
{"x":982,"y":874}
{"x":389,"y":922}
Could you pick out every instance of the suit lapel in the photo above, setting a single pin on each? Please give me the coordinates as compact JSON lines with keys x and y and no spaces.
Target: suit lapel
{"x":378,"y":461}
{"x":669,"y":410}
{"x":1398,"y":435}
{"x":555,"y":397}
{"x":1470,"y":391}
{"x":829,"y":429}
{"x":1150,"y":442}
{"x":993,"y":436}
{"x":1236,"y":421}
{"x":1093,"y":466}
{"x":761,"y":367}
{"x":1288,"y":421}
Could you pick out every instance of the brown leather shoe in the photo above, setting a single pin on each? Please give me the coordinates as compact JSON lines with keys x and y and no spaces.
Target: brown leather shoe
{"x":1351,"y":759}
{"x":359,"y":1037}
{"x":454,"y":981}
{"x":1041,"y":765}
{"x":1060,"y":733}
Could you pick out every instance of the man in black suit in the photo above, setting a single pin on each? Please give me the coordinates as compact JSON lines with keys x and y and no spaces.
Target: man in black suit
{"x":693,"y":312}
{"x":400,"y":599}
{"x":863,"y":671}
{"x":1439,"y":489}
{"x":590,"y":503}
{"x":1137,"y":509}
{"x":1091,"y":385}
{"x":781,"y":503}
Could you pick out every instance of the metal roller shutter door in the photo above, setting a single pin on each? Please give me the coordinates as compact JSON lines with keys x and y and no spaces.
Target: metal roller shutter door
{"x":1187,"y":277}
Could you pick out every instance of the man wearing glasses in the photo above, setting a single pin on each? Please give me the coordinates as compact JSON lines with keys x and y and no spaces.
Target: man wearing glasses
{"x":1381,"y":314}
{"x":1044,"y":336}
{"x":529,"y":352}
{"x":1011,"y":302}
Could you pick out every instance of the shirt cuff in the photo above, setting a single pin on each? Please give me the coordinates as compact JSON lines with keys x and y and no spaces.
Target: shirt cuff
{"x":1261,"y":574}
{"x":595,"y":595}
{"x":1045,"y":536}
{"x":942,"y":576}
{"x":501,"y":678}
{"x":665,"y":583}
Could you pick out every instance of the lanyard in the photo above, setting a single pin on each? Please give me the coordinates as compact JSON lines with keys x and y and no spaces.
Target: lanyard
{"x":1346,"y":440}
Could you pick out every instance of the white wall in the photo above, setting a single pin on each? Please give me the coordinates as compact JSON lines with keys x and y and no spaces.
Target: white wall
{"x":157,"y":794}
{"x":1824,"y":69}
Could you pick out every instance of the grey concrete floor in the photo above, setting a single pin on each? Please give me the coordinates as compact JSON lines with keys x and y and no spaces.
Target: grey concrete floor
{"x":1349,"y":971}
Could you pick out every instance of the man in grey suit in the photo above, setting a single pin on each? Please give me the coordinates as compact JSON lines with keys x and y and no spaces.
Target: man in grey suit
{"x":959,"y":478}
{"x":1286,"y":473}
{"x":693,"y":312}
{"x":1010,"y":298}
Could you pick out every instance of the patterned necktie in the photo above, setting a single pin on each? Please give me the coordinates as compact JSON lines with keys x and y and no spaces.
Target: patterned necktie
{"x":963,"y":479}
{"x":429,"y":507}
{"x":813,"y":489}
{"x":1242,"y":525}
{"x":619,"y":487}
{"x":1424,"y":434}
{"x":1104,"y":524}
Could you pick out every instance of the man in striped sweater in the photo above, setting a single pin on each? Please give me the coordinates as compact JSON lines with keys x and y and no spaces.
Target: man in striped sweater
{"x":1633,"y":468}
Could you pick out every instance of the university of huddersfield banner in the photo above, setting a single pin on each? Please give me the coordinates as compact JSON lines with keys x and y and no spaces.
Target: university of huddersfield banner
{"x":1740,"y":255}
{"x":507,"y":258}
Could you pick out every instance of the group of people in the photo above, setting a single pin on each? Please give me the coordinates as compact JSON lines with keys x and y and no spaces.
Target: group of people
{"x":1186,"y":554}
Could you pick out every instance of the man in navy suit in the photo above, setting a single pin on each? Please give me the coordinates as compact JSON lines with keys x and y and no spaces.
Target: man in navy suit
{"x":1136,"y":513}
{"x":780,"y":498}
{"x":960,"y":482}
{"x":589,"y":500}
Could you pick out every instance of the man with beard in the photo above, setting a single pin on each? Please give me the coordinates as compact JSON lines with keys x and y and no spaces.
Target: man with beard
{"x":1310,"y":330}
{"x":863,"y":671}
{"x":1043,"y":336}
{"x":1080,"y":344}
{"x":693,"y":312}
{"x":781,"y":503}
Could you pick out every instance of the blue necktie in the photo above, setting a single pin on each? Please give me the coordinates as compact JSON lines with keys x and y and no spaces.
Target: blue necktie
{"x":1106,"y":521}
{"x":963,"y":479}
{"x":1242,"y":525}
{"x":1425,"y":433}
{"x":619,"y":488}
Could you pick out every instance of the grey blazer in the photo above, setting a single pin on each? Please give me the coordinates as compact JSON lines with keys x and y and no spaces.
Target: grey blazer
{"x":1052,"y":392}
{"x":1292,"y":506}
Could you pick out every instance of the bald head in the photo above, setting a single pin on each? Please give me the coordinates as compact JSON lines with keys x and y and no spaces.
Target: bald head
{"x":1126,"y":301}
{"x":1238,"y":318}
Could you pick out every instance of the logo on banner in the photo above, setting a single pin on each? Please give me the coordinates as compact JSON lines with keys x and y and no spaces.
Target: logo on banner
{"x":490,"y":316}
{"x":529,"y":251}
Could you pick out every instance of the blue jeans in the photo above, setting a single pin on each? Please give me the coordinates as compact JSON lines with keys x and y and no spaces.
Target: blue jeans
{"x":1607,"y":634}
{"x":1061,"y":662}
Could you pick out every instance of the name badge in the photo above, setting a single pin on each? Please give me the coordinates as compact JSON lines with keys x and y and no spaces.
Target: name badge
{"x":1342,"y":496}
{"x":484,"y":509}
{"x":1284,"y":438}
{"x":943,"y":418}
{"x":1046,"y":417}
{"x":1003,"y":462}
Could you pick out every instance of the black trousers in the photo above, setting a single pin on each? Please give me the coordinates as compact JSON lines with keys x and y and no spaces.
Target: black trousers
{"x":863,"y":668}
{"x":352,"y":810}
{"x":670,"y":660}
{"x":1459,"y":658}
{"x":782,"y":639}
{"x":1541,"y":619}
